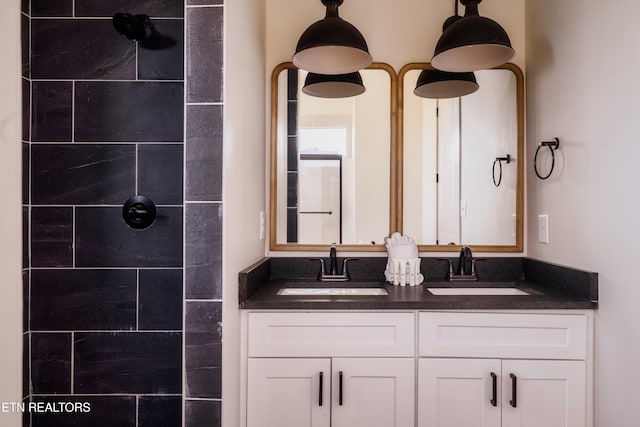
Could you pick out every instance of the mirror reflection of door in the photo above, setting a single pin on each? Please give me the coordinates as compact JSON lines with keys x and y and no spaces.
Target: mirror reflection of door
{"x":489,"y":130}
{"x":449,"y":146}
{"x":320,"y":198}
{"x":448,"y":172}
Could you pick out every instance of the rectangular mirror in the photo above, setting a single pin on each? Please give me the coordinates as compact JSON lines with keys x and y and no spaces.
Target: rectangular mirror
{"x":455,"y":189}
{"x":333,"y":163}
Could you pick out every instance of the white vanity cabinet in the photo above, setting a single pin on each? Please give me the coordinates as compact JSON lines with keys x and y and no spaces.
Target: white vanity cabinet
{"x":289,"y":392}
{"x":419,"y":368}
{"x":499,"y":369}
{"x":331,"y":369}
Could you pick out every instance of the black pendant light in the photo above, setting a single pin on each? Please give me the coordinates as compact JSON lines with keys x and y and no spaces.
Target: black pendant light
{"x":472,"y":43}
{"x":333,"y":85}
{"x":332,"y":45}
{"x":438,"y":84}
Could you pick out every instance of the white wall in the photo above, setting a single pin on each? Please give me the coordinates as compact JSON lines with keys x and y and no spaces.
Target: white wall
{"x":10,"y":225}
{"x":244,"y":184}
{"x":582,"y":66}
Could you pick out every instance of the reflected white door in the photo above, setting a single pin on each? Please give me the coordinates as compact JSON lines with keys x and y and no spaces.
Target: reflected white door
{"x":319,"y":189}
{"x":449,"y":171}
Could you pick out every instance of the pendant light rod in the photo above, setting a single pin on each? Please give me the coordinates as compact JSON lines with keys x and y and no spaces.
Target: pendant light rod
{"x":332,"y":8}
{"x":470,"y":7}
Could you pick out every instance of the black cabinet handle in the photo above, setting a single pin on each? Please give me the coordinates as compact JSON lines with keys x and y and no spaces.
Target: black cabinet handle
{"x":340,"y":388}
{"x":514,"y":391}
{"x":494,"y":389}
{"x":320,"y":390}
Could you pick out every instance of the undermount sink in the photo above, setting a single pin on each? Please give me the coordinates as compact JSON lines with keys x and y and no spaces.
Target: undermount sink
{"x":332,"y":291}
{"x":477,"y":291}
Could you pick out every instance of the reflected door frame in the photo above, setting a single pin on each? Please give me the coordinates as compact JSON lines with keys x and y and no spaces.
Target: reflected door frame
{"x":325,"y":157}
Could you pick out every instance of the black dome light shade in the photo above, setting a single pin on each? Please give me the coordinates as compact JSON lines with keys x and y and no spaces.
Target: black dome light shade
{"x":472,"y":43}
{"x":437,"y":84}
{"x":333,"y":85}
{"x":332,"y":45}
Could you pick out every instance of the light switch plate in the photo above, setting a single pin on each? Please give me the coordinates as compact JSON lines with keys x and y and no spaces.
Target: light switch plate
{"x":543,"y":228}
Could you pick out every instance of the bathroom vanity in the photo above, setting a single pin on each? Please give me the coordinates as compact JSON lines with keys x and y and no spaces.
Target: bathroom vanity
{"x":514,"y":348}
{"x":413,"y":358}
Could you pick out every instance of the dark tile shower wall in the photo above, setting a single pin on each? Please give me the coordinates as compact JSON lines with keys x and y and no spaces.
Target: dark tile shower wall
{"x":203,"y":213}
{"x":127,"y":320}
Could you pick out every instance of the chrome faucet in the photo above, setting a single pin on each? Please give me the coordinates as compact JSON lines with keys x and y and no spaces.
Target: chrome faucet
{"x":466,"y":270}
{"x":333,"y":275}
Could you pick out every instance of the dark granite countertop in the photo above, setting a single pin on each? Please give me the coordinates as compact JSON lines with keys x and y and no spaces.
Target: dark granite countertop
{"x":548,"y":286}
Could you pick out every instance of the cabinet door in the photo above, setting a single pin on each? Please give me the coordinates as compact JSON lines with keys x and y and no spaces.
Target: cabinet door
{"x":548,"y":393}
{"x":289,"y":393}
{"x":373,"y":392}
{"x":459,"y":392}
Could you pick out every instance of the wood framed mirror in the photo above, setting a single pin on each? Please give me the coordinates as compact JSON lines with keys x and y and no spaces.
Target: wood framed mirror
{"x":333,"y":164}
{"x":449,"y":192}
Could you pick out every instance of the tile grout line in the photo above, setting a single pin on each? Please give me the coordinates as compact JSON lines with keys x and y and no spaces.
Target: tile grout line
{"x":100,"y":18}
{"x":73,"y":237}
{"x":73,"y":111}
{"x":217,"y":103}
{"x":137,"y":300}
{"x":99,"y":206}
{"x":205,"y":399}
{"x":185,"y":121}
{"x":88,"y":80}
{"x":137,"y":53}
{"x":108,"y":395}
{"x":136,"y":173}
{"x":29,"y":197}
{"x":102,"y":268}
{"x":29,"y":386}
{"x":109,"y":331}
{"x":73,"y":361}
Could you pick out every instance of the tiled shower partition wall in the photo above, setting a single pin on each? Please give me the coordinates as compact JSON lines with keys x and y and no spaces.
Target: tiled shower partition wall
{"x":127,"y":320}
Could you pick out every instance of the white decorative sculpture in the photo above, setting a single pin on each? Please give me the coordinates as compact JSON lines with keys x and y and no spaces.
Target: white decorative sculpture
{"x":403,"y":263}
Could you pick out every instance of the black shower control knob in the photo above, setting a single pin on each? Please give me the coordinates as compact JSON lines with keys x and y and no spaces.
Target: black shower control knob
{"x":139,"y":212}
